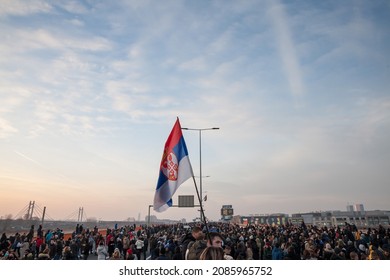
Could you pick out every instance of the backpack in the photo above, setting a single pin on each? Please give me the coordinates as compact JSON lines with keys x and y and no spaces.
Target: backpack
{"x":195,"y":249}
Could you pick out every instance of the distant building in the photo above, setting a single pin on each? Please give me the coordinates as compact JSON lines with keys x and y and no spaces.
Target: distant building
{"x":355,"y":208}
{"x":358,"y":208}
{"x":312,"y":218}
{"x":339,"y":218}
{"x":268,"y":219}
{"x":355,"y":214}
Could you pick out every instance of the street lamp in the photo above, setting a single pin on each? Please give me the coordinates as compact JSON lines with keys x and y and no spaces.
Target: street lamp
{"x":200,"y":155}
{"x":150,"y":206}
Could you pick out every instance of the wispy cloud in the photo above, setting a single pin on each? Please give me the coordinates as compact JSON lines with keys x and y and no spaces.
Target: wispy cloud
{"x":50,"y":170}
{"x":28,"y":158}
{"x":49,"y":39}
{"x":286,"y":46}
{"x":22,"y":8}
{"x":73,"y":7}
{"x":6,"y":129}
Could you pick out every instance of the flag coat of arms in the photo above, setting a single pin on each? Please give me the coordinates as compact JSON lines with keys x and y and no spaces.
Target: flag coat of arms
{"x":175,"y":169}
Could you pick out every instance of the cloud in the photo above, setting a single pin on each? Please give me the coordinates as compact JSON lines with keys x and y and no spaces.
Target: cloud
{"x":6,"y":129}
{"x":56,"y":40}
{"x":23,"y":8}
{"x":195,"y":64}
{"x":47,"y":39}
{"x":77,"y":22}
{"x":61,"y":178}
{"x":73,"y":7}
{"x":286,"y":48}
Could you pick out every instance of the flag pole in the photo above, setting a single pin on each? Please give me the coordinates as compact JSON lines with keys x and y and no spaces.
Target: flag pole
{"x":200,"y":194}
{"x":202,"y":211}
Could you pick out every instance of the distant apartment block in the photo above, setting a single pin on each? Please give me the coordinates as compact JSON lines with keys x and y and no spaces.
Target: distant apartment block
{"x":355,"y":214}
{"x":358,"y":208}
{"x":339,"y":218}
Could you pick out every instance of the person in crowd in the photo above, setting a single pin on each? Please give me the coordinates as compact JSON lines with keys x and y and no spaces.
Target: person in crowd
{"x":67,"y":254}
{"x":30,"y":234}
{"x":111,"y":246}
{"x":277,"y":253}
{"x":215,"y":240}
{"x":227,"y":253}
{"x":40,"y":231}
{"x":386,"y":251}
{"x":129,"y":254}
{"x":85,"y":247}
{"x":267,"y":251}
{"x":139,"y":245}
{"x":126,"y":244}
{"x":116,"y":255}
{"x":212,"y":253}
{"x":44,"y":255}
{"x":337,"y":254}
{"x":145,"y":247}
{"x":239,"y":242}
{"x":327,"y":252}
{"x":101,"y":250}
{"x":162,"y":255}
{"x":177,"y":254}
{"x":196,"y":234}
{"x":353,"y":256}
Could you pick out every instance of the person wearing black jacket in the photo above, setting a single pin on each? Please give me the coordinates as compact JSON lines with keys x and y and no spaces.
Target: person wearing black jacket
{"x":196,"y":234}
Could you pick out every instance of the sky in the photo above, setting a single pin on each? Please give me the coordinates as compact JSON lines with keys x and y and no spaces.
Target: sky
{"x":90,"y":90}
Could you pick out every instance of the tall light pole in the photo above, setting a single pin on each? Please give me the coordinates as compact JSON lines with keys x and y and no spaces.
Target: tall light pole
{"x":150,"y":206}
{"x":200,"y":154}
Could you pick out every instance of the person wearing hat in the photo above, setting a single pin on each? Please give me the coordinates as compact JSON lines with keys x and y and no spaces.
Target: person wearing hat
{"x":267,"y":251}
{"x":129,"y":254}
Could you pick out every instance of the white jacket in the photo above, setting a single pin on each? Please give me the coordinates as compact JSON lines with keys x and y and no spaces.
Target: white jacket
{"x":101,"y":252}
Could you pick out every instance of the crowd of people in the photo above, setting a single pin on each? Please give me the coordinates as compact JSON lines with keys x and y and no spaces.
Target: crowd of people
{"x":222,"y":241}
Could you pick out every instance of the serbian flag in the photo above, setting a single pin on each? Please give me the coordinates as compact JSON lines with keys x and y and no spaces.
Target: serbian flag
{"x":175,"y":169}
